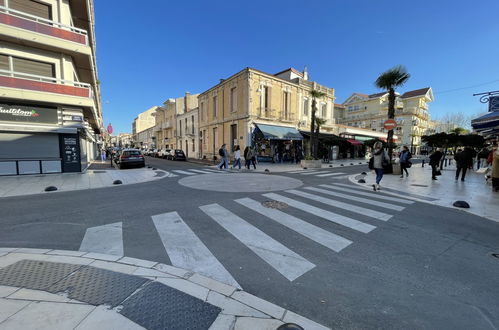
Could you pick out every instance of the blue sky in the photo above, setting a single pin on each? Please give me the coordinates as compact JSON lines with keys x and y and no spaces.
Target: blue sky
{"x":150,"y":51}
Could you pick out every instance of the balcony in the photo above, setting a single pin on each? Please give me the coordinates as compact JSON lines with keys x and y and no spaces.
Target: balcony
{"x":166,"y":124}
{"x":20,"y":23}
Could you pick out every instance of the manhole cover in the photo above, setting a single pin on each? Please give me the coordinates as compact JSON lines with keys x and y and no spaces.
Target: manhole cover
{"x":419,"y":185}
{"x":275,"y":205}
{"x":495,"y":255}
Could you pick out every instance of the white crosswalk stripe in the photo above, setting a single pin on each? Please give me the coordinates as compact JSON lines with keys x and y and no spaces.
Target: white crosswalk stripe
{"x":357,"y":199}
{"x":107,"y":239}
{"x":340,"y":177}
{"x":346,"y":206}
{"x":330,"y":216}
{"x":311,"y":172}
{"x":288,"y":263}
{"x":212,"y":170}
{"x":316,"y":234}
{"x":184,"y":172}
{"x":186,"y":250}
{"x":330,"y":174}
{"x":363,"y":192}
{"x":201,"y":171}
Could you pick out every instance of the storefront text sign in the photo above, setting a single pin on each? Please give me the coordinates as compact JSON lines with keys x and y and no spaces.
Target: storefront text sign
{"x":494,"y":103}
{"x":31,"y":114}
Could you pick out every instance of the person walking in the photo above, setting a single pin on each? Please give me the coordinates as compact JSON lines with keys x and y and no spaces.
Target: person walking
{"x":493,"y":160}
{"x":405,"y":157}
{"x":247,"y":157}
{"x":434,"y":163}
{"x":103,"y":155}
{"x":224,"y":163}
{"x":380,"y":161}
{"x":463,"y":160}
{"x":253,"y":157}
{"x":237,"y":157}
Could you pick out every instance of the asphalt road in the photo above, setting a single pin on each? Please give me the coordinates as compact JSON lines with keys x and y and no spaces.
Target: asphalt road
{"x":423,"y":267}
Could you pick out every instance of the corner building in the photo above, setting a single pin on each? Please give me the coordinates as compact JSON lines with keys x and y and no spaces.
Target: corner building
{"x":50,"y":110}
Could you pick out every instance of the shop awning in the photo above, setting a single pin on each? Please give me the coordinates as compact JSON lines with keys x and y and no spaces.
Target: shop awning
{"x":355,"y":142}
{"x":272,"y":132}
{"x":487,"y":121}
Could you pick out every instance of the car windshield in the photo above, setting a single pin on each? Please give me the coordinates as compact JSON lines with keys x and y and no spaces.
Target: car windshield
{"x":132,"y":153}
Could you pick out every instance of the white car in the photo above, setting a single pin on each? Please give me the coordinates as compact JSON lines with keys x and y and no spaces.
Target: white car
{"x":164,"y":153}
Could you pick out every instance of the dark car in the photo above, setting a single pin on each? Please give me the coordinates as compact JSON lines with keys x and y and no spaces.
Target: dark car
{"x":178,"y":154}
{"x":129,"y":157}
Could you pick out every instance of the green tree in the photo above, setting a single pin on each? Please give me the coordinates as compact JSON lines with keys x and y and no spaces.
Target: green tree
{"x":314,"y":139}
{"x":459,"y":131}
{"x":389,"y":80}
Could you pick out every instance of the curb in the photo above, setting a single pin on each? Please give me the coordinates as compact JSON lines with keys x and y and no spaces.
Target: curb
{"x":236,"y":304}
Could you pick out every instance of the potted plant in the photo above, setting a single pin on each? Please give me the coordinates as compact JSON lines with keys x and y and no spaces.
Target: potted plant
{"x":310,"y":162}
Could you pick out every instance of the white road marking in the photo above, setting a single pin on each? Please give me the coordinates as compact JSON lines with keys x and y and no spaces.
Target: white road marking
{"x":282,"y":259}
{"x":346,"y":206}
{"x":107,"y":239}
{"x":184,"y":172}
{"x":316,"y":234}
{"x":341,"y":177}
{"x":300,"y":171}
{"x":201,"y":171}
{"x":310,"y":173}
{"x":212,"y":170}
{"x":186,"y":250}
{"x":331,"y":174}
{"x":363,"y":192}
{"x":357,"y":199}
{"x":330,"y":216}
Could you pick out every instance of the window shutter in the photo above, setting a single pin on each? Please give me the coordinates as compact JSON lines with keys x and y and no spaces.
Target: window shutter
{"x":33,"y":67}
{"x":32,"y":7}
{"x":4,"y":62}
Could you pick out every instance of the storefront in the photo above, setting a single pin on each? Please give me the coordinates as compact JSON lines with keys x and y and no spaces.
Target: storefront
{"x":277,"y":143}
{"x":38,"y":139}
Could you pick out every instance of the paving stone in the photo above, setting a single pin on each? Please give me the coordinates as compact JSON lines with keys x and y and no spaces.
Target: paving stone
{"x":232,"y":307}
{"x":305,"y":323}
{"x":34,"y":251}
{"x":137,"y":262}
{"x":186,"y":286}
{"x":103,"y":318}
{"x":12,"y":258}
{"x":158,"y":306}
{"x":47,"y":315}
{"x":251,"y":323}
{"x":101,"y":256}
{"x":5,"y":249}
{"x":212,"y":284}
{"x":67,"y":253}
{"x":38,"y":295}
{"x":172,"y":270}
{"x":223,"y":322}
{"x":10,"y":307}
{"x":115,"y":267}
{"x":7,"y":290}
{"x":259,"y":304}
{"x":70,"y":260}
{"x":146,"y":272}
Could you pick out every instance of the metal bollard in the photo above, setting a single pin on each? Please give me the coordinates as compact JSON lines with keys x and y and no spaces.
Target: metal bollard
{"x":422,"y":163}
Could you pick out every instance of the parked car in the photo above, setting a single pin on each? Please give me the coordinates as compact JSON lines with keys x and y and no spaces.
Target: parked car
{"x":164,"y":153}
{"x":178,"y":154}
{"x":129,"y":157}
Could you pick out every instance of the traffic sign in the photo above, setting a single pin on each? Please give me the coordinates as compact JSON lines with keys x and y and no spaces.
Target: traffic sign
{"x":110,"y":129}
{"x":390,"y":124}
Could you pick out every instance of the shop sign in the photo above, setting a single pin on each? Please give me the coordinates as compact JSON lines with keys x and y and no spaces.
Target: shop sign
{"x":31,"y":114}
{"x":494,"y":103}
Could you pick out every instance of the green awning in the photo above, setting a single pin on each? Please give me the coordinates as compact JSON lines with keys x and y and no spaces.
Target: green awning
{"x":272,"y":132}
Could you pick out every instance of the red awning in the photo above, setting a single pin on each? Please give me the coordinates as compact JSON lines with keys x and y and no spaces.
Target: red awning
{"x":355,"y":142}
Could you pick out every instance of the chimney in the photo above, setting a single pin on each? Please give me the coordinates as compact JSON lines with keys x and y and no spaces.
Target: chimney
{"x":305,"y":73}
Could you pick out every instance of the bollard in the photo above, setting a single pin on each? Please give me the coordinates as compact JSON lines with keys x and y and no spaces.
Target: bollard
{"x":422,"y":163}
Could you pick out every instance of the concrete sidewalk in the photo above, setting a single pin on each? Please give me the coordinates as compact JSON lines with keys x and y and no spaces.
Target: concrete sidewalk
{"x":444,"y":191}
{"x":56,"y":289}
{"x":35,"y":184}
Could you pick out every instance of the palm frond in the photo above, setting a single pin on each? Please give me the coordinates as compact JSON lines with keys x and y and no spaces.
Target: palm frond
{"x":317,"y":94}
{"x":394,"y":77}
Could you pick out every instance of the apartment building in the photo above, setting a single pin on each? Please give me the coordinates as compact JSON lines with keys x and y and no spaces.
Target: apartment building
{"x":411,"y":114}
{"x":266,"y":110}
{"x":50,"y":110}
{"x":142,"y":128}
{"x":188,"y":133}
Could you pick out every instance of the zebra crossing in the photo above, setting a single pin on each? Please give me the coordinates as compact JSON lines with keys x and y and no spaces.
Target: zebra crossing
{"x":187,"y":250}
{"x":191,"y":171}
{"x":321,"y":174}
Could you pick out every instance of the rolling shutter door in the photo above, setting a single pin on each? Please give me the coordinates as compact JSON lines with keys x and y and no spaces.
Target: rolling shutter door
{"x":4,"y":62}
{"x":33,"y":67}
{"x":32,"y":7}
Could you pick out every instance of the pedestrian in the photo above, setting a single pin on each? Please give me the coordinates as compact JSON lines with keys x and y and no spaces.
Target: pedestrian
{"x":253,"y":157}
{"x":494,"y":160}
{"x":379,"y":162}
{"x":247,"y":158}
{"x":224,"y":163}
{"x":103,"y":155}
{"x":237,"y":157}
{"x":405,"y":162}
{"x":464,"y":160}
{"x":434,"y":163}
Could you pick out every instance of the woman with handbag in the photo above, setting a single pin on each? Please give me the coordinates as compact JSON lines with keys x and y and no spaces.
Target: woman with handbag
{"x":434,"y":162}
{"x":379,"y":162}
{"x":405,"y":163}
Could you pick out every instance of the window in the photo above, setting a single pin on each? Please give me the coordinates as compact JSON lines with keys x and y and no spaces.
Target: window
{"x":266,"y":95}
{"x":193,"y":146}
{"x":192,"y":124}
{"x":32,"y":7}
{"x":233,"y":136}
{"x":4,"y":63}
{"x":201,"y":110}
{"x":33,"y":67}
{"x":324,"y":110}
{"x":233,"y":99}
{"x":215,"y":106}
{"x":286,"y":105}
{"x":180,"y":128}
{"x":186,"y":131}
{"x":305,"y":107}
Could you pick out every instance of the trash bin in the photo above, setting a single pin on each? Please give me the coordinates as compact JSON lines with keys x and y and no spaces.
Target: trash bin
{"x":396,"y":169}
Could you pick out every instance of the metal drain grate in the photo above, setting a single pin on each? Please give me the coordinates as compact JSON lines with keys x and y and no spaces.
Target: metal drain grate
{"x":158,"y":306}
{"x":495,"y":255}
{"x":418,"y":185}
{"x":275,"y":205}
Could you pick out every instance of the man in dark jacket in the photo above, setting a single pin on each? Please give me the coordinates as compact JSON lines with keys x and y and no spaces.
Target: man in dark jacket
{"x":434,"y":161}
{"x":464,"y":160}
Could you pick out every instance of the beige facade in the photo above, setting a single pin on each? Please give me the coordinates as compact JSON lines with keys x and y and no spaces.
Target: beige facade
{"x":144,"y":121}
{"x":230,"y":111}
{"x":370,"y":112}
{"x":188,"y":133}
{"x":48,"y":67}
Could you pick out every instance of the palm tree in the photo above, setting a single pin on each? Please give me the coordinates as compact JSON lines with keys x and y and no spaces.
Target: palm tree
{"x":389,"y":80}
{"x":313,"y":137}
